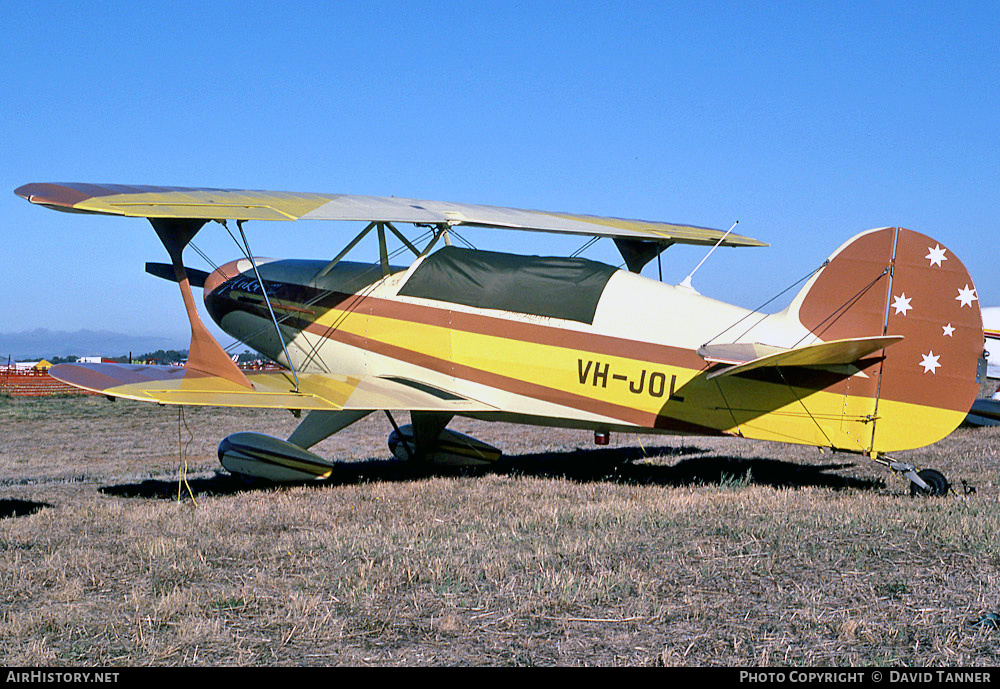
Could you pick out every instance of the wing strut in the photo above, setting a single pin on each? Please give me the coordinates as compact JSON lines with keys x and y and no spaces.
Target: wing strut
{"x":437,"y":232}
{"x":403,"y":239}
{"x":205,"y":355}
{"x":354,"y":242}
{"x":267,"y":299}
{"x":383,"y":250}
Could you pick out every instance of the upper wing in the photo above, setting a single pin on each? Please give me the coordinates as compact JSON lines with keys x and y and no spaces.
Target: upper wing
{"x":233,"y":204}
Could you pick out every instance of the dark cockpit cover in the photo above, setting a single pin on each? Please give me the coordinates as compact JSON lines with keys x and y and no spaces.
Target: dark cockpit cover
{"x":551,"y":286}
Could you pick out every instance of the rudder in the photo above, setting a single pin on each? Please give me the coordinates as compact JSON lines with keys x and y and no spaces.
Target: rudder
{"x":894,"y":281}
{"x":928,"y":380}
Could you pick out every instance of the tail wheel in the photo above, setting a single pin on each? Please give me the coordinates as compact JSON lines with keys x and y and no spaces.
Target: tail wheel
{"x":935,"y":480}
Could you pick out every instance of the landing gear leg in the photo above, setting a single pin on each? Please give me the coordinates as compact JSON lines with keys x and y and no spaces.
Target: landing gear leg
{"x":417,"y":441}
{"x":929,"y":482}
{"x":406,"y":443}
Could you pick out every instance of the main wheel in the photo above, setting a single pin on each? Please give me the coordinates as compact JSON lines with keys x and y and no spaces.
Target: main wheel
{"x":401,"y":447}
{"x":934,"y":479}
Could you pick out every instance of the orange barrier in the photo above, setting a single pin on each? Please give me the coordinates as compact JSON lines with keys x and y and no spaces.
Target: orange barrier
{"x":35,"y":384}
{"x":32,"y":383}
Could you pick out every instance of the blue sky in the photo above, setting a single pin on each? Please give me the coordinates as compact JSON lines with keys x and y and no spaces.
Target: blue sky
{"x":808,"y":122}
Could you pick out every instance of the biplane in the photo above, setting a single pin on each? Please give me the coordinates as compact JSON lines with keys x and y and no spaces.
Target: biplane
{"x":878,"y":352}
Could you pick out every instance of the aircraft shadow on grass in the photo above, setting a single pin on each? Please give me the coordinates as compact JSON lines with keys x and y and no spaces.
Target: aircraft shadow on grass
{"x":614,"y":465}
{"x":20,"y":508}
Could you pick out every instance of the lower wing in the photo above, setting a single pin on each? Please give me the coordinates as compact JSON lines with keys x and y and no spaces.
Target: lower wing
{"x":271,"y":389}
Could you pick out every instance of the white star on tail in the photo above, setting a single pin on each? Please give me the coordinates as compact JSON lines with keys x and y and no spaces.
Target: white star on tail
{"x":930,"y":362}
{"x":967,"y":295}
{"x":936,"y":255}
{"x":948,"y":330}
{"x":901,"y":303}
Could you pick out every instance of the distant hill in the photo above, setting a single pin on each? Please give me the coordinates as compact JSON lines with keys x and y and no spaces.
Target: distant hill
{"x":42,"y":342}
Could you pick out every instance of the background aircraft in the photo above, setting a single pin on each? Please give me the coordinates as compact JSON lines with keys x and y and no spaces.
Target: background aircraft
{"x":877,"y":353}
{"x":986,"y":411}
{"x":991,"y":330}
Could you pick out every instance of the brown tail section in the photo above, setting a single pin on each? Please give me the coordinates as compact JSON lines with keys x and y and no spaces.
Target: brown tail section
{"x":894,"y":281}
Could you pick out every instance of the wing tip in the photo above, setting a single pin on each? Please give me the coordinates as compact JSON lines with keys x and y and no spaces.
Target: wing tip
{"x":742,"y":240}
{"x":50,"y":194}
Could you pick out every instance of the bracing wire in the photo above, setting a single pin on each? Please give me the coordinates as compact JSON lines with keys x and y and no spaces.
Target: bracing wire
{"x":586,"y":245}
{"x":465,"y":241}
{"x":375,"y":267}
{"x":270,"y":309}
{"x":203,"y":255}
{"x":843,"y":307}
{"x":757,"y":310}
{"x":804,"y":407}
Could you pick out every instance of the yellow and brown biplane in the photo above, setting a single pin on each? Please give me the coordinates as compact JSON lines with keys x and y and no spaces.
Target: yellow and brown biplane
{"x":878,"y":352}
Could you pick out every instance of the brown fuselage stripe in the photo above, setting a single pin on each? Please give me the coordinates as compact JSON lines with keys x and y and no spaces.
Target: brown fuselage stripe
{"x":513,"y":385}
{"x":517,"y":330}
{"x":355,"y":304}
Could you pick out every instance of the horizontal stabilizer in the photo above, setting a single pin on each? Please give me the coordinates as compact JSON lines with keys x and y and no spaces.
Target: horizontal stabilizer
{"x":748,"y":356}
{"x":166,"y":271}
{"x":271,"y":389}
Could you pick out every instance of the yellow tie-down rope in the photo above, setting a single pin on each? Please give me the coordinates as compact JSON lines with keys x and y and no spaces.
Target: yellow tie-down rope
{"x":182,"y":450}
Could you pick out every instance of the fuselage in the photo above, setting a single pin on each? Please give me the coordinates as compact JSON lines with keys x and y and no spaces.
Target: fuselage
{"x":613,"y":350}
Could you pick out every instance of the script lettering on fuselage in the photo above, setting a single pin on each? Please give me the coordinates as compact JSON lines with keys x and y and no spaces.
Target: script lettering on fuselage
{"x":653,"y":383}
{"x":249,"y":285}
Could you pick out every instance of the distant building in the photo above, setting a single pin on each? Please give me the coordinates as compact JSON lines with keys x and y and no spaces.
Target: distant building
{"x":42,"y":365}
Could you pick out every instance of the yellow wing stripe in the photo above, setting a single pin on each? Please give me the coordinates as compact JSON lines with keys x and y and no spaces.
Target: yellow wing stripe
{"x":207,"y":205}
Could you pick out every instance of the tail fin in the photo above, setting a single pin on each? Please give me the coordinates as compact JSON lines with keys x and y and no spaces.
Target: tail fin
{"x":894,"y":281}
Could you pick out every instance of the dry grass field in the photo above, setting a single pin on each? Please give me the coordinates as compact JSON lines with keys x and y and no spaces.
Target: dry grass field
{"x":669,"y":551}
